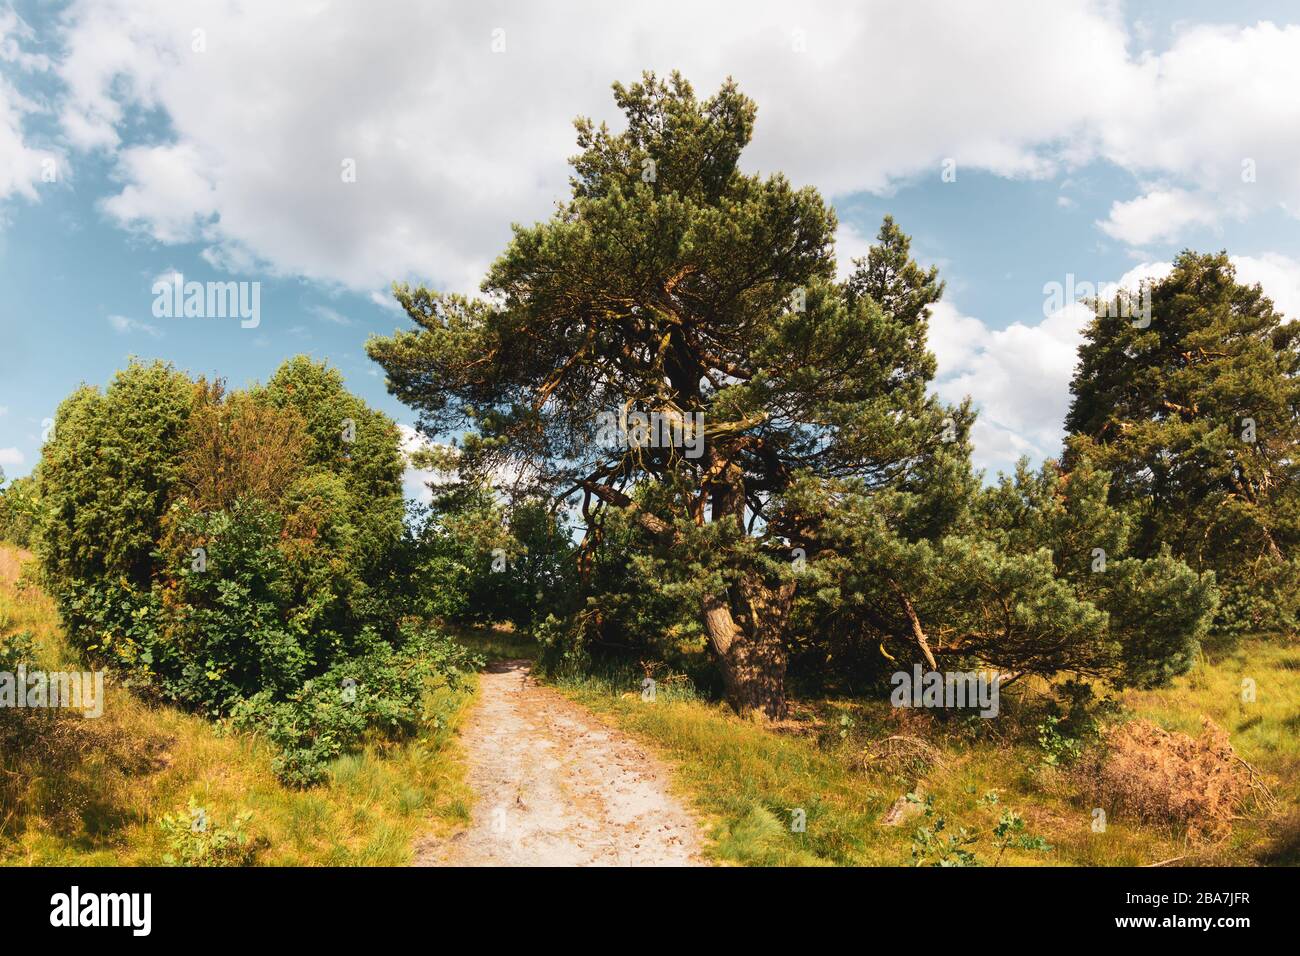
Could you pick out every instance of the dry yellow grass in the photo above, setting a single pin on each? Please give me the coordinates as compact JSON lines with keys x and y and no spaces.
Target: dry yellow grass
{"x":748,"y":779}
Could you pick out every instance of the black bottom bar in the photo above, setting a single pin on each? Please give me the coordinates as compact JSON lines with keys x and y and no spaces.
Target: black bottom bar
{"x":333,"y":906}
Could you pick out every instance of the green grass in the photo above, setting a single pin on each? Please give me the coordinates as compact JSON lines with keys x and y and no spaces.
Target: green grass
{"x":138,"y":762}
{"x":746,"y":779}
{"x":499,"y":642}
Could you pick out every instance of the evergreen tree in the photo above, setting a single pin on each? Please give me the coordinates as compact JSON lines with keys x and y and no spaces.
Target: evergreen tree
{"x":1197,"y":418}
{"x":673,"y":284}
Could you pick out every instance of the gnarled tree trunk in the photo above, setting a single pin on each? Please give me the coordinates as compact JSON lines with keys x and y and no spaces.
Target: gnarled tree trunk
{"x":746,"y":627}
{"x":749,"y":648}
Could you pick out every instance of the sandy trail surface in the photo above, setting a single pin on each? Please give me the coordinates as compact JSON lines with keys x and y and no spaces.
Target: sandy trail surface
{"x":555,"y":787}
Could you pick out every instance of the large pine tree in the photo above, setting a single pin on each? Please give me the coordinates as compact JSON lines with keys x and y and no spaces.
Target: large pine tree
{"x":674,"y":283}
{"x":1196,"y":415}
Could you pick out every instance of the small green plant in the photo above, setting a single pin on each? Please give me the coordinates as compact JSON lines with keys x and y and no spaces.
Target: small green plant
{"x":932,"y":847}
{"x":1058,"y":749}
{"x":1011,"y":831}
{"x":196,"y":839}
{"x":16,"y":649}
{"x":380,"y":693}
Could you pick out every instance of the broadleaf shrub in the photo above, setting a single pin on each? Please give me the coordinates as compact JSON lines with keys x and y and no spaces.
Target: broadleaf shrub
{"x":194,"y":839}
{"x":235,"y":552}
{"x":379,"y":691}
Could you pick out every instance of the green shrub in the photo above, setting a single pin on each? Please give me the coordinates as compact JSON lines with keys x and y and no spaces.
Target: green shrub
{"x":195,"y":839}
{"x":380,"y":692}
{"x":227,"y":627}
{"x":240,"y":552}
{"x":934,"y":845}
{"x":19,"y":511}
{"x":1058,"y":748}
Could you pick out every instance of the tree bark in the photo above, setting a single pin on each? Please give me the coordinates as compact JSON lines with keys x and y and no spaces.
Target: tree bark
{"x":747,"y":640}
{"x":746,"y":628}
{"x":750,"y":651}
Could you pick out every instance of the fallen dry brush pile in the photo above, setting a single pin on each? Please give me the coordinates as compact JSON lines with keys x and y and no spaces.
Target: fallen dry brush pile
{"x":902,"y":755}
{"x":1142,"y":771}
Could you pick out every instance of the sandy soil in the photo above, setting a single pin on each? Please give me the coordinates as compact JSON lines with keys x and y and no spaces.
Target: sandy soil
{"x":555,"y":787}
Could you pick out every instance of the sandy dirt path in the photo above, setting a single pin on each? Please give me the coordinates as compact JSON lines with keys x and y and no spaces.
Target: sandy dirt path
{"x":555,"y":787}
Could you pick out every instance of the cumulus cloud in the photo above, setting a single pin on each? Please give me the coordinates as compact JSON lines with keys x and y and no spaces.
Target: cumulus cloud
{"x":23,"y":166}
{"x":332,"y":316}
{"x":1160,"y":215}
{"x":850,"y":243}
{"x":452,"y":144}
{"x":1277,"y":274}
{"x":355,"y":146}
{"x":1018,"y":377}
{"x":11,"y":457}
{"x":167,"y":194}
{"x":1218,"y":111}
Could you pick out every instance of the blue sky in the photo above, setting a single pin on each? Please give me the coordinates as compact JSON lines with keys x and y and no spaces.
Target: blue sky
{"x":207,"y":138}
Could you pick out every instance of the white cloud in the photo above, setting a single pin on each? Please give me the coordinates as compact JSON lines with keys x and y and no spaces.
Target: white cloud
{"x":1160,"y":215}
{"x":125,"y":326}
{"x":1218,"y":111}
{"x":385,"y":300}
{"x":1146,"y":271}
{"x":850,"y":243}
{"x":1018,"y":377}
{"x":168,"y":194}
{"x":332,"y":316}
{"x":1277,"y":274}
{"x":453,"y":144}
{"x":23,"y":166}
{"x":11,"y":457}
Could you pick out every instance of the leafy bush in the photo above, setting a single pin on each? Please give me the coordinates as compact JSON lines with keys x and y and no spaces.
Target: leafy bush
{"x":239,"y":552}
{"x":227,"y":624}
{"x":380,"y":692}
{"x":19,"y":511}
{"x":1058,"y":749}
{"x":15,"y":649}
{"x":195,"y":839}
